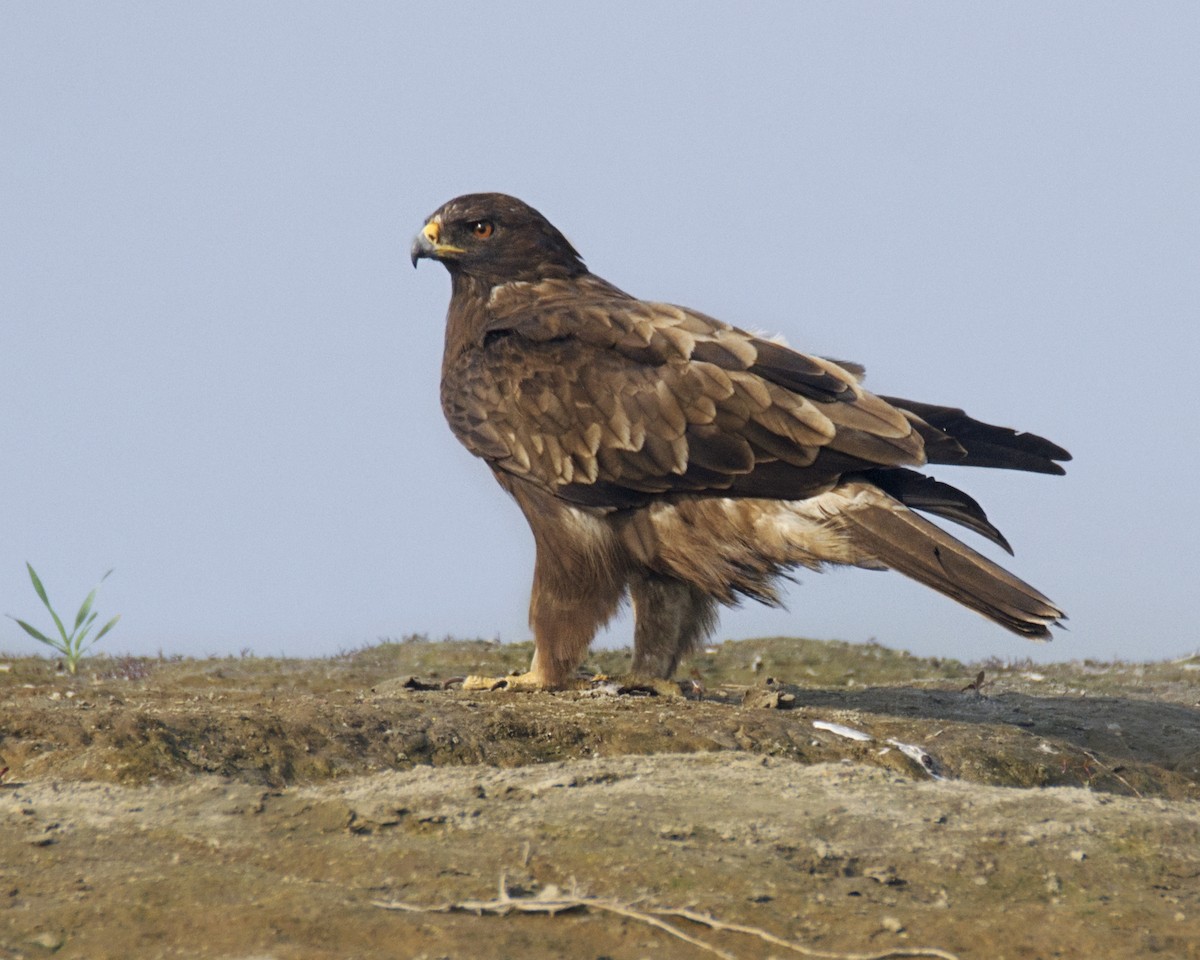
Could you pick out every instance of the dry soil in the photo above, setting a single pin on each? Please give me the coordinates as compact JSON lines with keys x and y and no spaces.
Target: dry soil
{"x":254,"y":808}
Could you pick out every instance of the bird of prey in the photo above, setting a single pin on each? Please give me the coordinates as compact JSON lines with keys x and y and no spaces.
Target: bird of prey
{"x":662,"y":455}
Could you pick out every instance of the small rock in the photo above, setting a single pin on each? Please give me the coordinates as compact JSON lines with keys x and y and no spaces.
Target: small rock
{"x":769,"y":700}
{"x":50,"y":941}
{"x":885,"y":875}
{"x":892,"y":925}
{"x":1078,"y":856}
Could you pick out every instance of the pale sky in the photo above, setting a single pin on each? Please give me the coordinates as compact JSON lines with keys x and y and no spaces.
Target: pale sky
{"x":220,"y":371}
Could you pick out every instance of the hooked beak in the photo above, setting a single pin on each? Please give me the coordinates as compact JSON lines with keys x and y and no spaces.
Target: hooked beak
{"x":428,"y":243}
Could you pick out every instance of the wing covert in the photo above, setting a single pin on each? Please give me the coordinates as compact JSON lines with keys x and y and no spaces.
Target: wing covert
{"x":607,"y":400}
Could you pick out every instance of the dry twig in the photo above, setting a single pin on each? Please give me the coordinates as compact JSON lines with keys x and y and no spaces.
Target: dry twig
{"x":551,"y":900}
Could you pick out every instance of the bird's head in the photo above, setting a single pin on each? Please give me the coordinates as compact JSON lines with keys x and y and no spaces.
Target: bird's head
{"x":497,"y":239}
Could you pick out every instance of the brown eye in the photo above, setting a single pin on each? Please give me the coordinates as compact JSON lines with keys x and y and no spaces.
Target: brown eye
{"x":483,"y":229}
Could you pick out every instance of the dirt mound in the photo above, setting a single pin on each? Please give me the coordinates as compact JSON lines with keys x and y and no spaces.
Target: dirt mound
{"x":853,"y":798}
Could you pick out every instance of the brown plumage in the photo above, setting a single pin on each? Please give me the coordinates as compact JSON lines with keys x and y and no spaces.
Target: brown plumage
{"x":662,"y":454}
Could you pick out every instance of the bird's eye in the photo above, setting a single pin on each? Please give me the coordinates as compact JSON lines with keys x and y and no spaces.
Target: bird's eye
{"x":483,"y":229}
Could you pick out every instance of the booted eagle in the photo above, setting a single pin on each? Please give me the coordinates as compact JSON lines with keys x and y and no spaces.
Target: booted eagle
{"x":663,"y":455}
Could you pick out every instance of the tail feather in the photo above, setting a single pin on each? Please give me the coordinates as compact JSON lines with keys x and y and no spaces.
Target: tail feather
{"x":922,"y":492}
{"x":951,"y":436}
{"x":899,"y":539}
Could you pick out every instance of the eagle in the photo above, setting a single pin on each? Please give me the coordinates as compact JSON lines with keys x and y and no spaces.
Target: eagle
{"x":665,"y":457}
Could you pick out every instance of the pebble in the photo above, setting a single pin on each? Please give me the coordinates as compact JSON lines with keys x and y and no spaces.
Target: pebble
{"x":49,"y":941}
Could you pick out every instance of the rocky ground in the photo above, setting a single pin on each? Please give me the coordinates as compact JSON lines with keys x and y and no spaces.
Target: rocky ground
{"x":839,"y":799}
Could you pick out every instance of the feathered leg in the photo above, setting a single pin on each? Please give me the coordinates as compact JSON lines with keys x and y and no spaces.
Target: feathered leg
{"x":671,"y":619}
{"x":566,"y":608}
{"x":578,"y":583}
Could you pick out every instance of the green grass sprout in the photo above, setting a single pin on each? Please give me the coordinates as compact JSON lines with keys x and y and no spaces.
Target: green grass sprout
{"x":71,"y":645}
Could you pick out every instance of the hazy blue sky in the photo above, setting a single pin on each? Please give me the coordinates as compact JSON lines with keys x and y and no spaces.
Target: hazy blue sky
{"x":219,"y":371}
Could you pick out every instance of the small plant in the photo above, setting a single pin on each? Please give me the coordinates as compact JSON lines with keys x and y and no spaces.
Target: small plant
{"x":70,"y":645}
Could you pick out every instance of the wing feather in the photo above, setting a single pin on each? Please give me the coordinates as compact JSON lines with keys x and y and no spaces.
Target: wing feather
{"x":603,"y":398}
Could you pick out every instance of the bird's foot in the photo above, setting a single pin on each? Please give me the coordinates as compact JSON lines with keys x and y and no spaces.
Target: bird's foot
{"x":634,"y":683}
{"x":629,"y":684}
{"x":522,"y":683}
